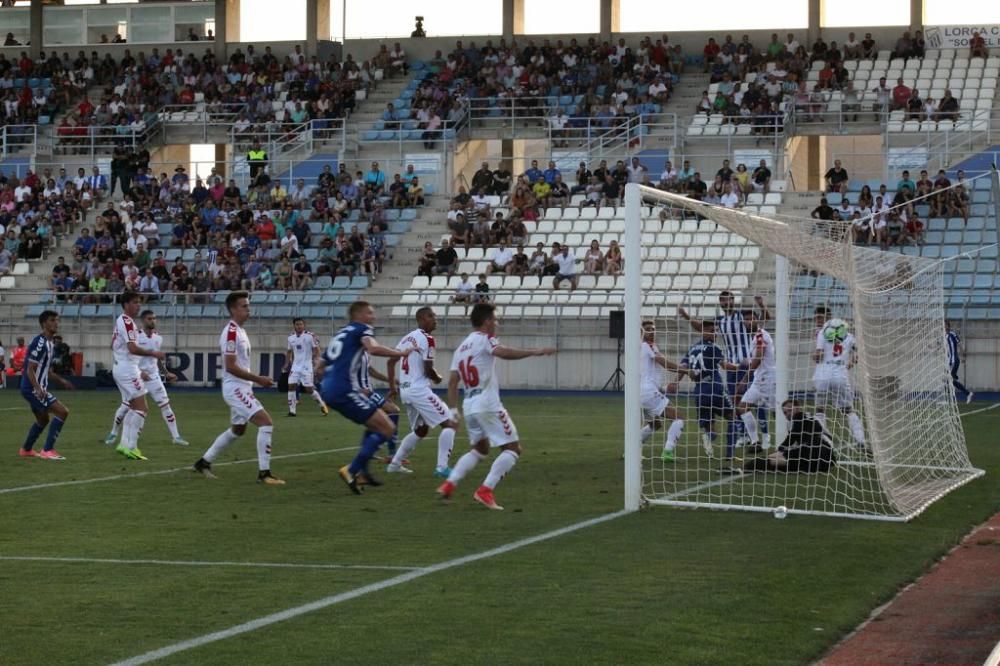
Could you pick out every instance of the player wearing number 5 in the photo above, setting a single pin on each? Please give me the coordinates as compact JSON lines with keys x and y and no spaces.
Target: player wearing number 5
{"x":346,"y":389}
{"x":488,"y":423}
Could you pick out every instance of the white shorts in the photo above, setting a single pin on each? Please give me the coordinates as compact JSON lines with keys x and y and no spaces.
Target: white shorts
{"x":129,"y":382}
{"x":834,"y":389}
{"x":760,"y":393}
{"x":157,"y":391}
{"x":493,"y":426}
{"x":242,"y":403}
{"x":303,"y":377}
{"x":653,"y":404}
{"x":424,"y":408}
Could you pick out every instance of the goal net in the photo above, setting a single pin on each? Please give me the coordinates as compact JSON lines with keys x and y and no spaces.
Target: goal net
{"x":746,"y":312}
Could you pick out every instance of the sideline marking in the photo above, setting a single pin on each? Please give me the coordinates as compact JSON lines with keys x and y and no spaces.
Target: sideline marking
{"x":326,"y":602}
{"x":979,"y":411}
{"x":200,"y":563}
{"x":159,"y":472}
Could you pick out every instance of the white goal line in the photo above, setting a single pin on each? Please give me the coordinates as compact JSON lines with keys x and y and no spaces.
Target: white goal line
{"x":202,"y":563}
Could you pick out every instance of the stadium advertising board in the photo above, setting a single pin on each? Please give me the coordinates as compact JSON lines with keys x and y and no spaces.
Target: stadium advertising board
{"x":958,"y":36}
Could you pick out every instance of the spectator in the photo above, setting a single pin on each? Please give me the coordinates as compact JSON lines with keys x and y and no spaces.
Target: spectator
{"x":482,"y":291}
{"x":500,"y":259}
{"x":613,"y":259}
{"x":538,"y":260}
{"x":869,"y":48}
{"x":883,"y":98}
{"x":566,"y":264}
{"x":520,"y":262}
{"x":977,"y":46}
{"x":6,"y":261}
{"x":729,"y":198}
{"x":948,"y":107}
{"x":762,"y":178}
{"x":900,"y":95}
{"x":445,"y":260}
{"x":501,"y":181}
{"x":483,"y":179}
{"x":461,"y":232}
{"x":428,"y":260}
{"x":836,"y":178}
{"x":593,"y":260}
{"x":302,"y":275}
{"x":463,"y":291}
{"x":823,"y":211}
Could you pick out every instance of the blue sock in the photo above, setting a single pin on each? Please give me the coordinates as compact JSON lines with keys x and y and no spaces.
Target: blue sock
{"x":33,"y":432}
{"x":762,"y":420}
{"x":54,"y":427}
{"x":391,"y":444}
{"x":369,"y":446}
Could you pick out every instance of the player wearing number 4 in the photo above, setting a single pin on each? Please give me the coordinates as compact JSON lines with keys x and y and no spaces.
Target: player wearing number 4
{"x":35,"y":390}
{"x":302,"y":354}
{"x":655,"y":404}
{"x":761,"y":392}
{"x":237,"y":391}
{"x":424,"y":409}
{"x":347,"y":390}
{"x":835,"y":354}
{"x":488,"y":423}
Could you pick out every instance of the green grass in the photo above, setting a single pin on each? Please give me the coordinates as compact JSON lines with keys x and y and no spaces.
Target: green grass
{"x":661,"y":586}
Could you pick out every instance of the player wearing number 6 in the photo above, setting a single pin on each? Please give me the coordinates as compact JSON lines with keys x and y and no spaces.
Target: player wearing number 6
{"x":834,"y":355}
{"x":346,"y":389}
{"x":488,"y":423}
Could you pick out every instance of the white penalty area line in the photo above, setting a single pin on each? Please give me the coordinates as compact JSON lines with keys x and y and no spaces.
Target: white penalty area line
{"x":980,"y":410}
{"x":200,"y":563}
{"x":332,"y":600}
{"x":160,"y":472}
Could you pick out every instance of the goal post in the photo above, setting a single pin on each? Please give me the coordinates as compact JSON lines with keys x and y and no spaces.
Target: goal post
{"x":876,"y":378}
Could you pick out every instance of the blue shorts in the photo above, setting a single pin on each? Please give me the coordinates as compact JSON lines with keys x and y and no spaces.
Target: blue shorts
{"x":377,"y":398}
{"x":355,"y":406}
{"x":39,"y":406}
{"x":712,"y":405}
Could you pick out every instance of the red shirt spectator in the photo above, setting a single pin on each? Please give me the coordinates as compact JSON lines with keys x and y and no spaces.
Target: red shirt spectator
{"x":711,"y":49}
{"x":899,"y":95}
{"x":85,"y":108}
{"x":266,"y":230}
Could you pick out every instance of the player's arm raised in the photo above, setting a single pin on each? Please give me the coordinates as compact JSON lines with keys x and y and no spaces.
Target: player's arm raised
{"x":696,"y":324}
{"x":514,"y":354}
{"x":375,"y":349}
{"x":229,"y":361}
{"x":765,"y":314}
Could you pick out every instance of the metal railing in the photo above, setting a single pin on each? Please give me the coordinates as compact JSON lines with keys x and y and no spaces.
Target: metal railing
{"x":96,"y":140}
{"x":204,"y":119}
{"x":18,"y":139}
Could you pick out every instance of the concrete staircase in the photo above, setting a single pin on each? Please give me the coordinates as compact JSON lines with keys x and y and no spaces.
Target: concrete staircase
{"x":428,"y":226}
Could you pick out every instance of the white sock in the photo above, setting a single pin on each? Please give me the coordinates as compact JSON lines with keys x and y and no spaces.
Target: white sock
{"x":405,"y":447}
{"x":465,"y":465}
{"x":674,"y":433}
{"x":116,"y":425}
{"x":220,"y":444}
{"x":446,"y":440}
{"x":503,"y":464}
{"x":821,"y":417}
{"x":131,"y":427}
{"x":315,"y":396}
{"x":291,"y":402}
{"x":750,"y":422}
{"x":264,"y":447}
{"x":168,"y":416}
{"x":857,"y":428}
{"x":646,"y":432}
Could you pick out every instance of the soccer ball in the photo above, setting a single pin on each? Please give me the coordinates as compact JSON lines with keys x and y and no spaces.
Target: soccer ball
{"x":835,"y":330}
{"x":780,"y":512}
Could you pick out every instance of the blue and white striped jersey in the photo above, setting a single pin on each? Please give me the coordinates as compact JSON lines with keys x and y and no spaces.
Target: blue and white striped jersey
{"x":951,"y":341}
{"x":347,"y":361}
{"x":735,"y":334}
{"x":40,"y":352}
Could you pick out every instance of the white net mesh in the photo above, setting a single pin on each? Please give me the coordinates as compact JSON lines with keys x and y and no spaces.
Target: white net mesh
{"x":891,"y":441}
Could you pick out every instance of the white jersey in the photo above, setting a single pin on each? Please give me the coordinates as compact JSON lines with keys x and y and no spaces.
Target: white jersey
{"x":836,"y":355}
{"x":149,"y":364}
{"x":412,"y":374}
{"x":475,"y":364}
{"x":763,"y":342}
{"x":651,"y":370}
{"x":125,"y":332}
{"x":302,"y":347}
{"x":235,"y":342}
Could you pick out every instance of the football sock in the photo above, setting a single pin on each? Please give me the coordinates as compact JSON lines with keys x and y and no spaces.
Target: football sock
{"x":170,"y":419}
{"x":674,"y":433}
{"x":369,"y":447}
{"x":131,"y":427}
{"x":503,"y":464}
{"x":446,"y":440}
{"x":391,"y":445}
{"x":55,"y":426}
{"x":226,"y":438}
{"x":763,"y":421}
{"x":405,"y":447}
{"x":465,"y":465}
{"x":264,"y":447}
{"x":750,"y":423}
{"x":116,"y":425}
{"x":646,"y":432}
{"x":291,"y":402}
{"x":315,"y":396}
{"x":33,"y":433}
{"x":857,"y":428}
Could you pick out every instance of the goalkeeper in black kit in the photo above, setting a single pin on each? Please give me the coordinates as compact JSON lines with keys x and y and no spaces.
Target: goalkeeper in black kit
{"x":807,"y":448}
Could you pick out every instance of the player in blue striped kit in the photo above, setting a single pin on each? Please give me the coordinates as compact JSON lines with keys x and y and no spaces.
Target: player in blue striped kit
{"x":737,"y":338}
{"x":346,"y":388}
{"x":704,"y":364}
{"x":952,"y":342}
{"x":35,"y":390}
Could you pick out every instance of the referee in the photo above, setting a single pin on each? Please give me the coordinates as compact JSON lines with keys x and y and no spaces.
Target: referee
{"x":735,"y":329}
{"x":952,"y":342}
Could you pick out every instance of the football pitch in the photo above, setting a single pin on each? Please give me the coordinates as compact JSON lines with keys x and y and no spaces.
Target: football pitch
{"x":105,"y":560}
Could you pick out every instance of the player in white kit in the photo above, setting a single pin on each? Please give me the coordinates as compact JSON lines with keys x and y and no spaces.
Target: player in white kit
{"x":303,"y":351}
{"x":151,"y":369}
{"x":237,"y":391}
{"x":423,"y":409}
{"x":762,"y":390}
{"x":128,"y":377}
{"x":655,"y":404}
{"x":835,"y":354}
{"x":488,"y":424}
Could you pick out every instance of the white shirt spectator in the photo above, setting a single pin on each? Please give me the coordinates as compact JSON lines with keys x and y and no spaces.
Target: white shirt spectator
{"x":566,"y":263}
{"x":501,"y":256}
{"x":730,"y":200}
{"x":668,"y":176}
{"x":481,"y":201}
{"x":636,"y":173}
{"x":21,"y":192}
{"x":6,"y":261}
{"x":290,"y":244}
{"x":657,"y":88}
{"x":135,"y":241}
{"x":149,"y":284}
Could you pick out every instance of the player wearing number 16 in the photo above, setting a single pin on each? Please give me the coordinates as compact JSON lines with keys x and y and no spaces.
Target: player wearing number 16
{"x":346,"y":389}
{"x":489,"y":425}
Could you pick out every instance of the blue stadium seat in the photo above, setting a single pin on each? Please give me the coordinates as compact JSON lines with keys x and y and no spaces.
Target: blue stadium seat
{"x":931,"y":251}
{"x":937,"y":224}
{"x":370,"y":135}
{"x":105,"y":310}
{"x":34,"y":310}
{"x":323,"y":282}
{"x":192,"y":311}
{"x":359,"y":282}
{"x":962,"y":281}
{"x":341,"y":282}
{"x":985,"y":281}
{"x":934,"y":237}
{"x":264,"y":311}
{"x":408,"y":214}
{"x":953,"y":237}
{"x":834,"y":198}
{"x":284,"y":311}
{"x":950,"y":250}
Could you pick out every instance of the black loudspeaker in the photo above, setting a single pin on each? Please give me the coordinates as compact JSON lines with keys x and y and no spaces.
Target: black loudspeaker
{"x":616,"y":325}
